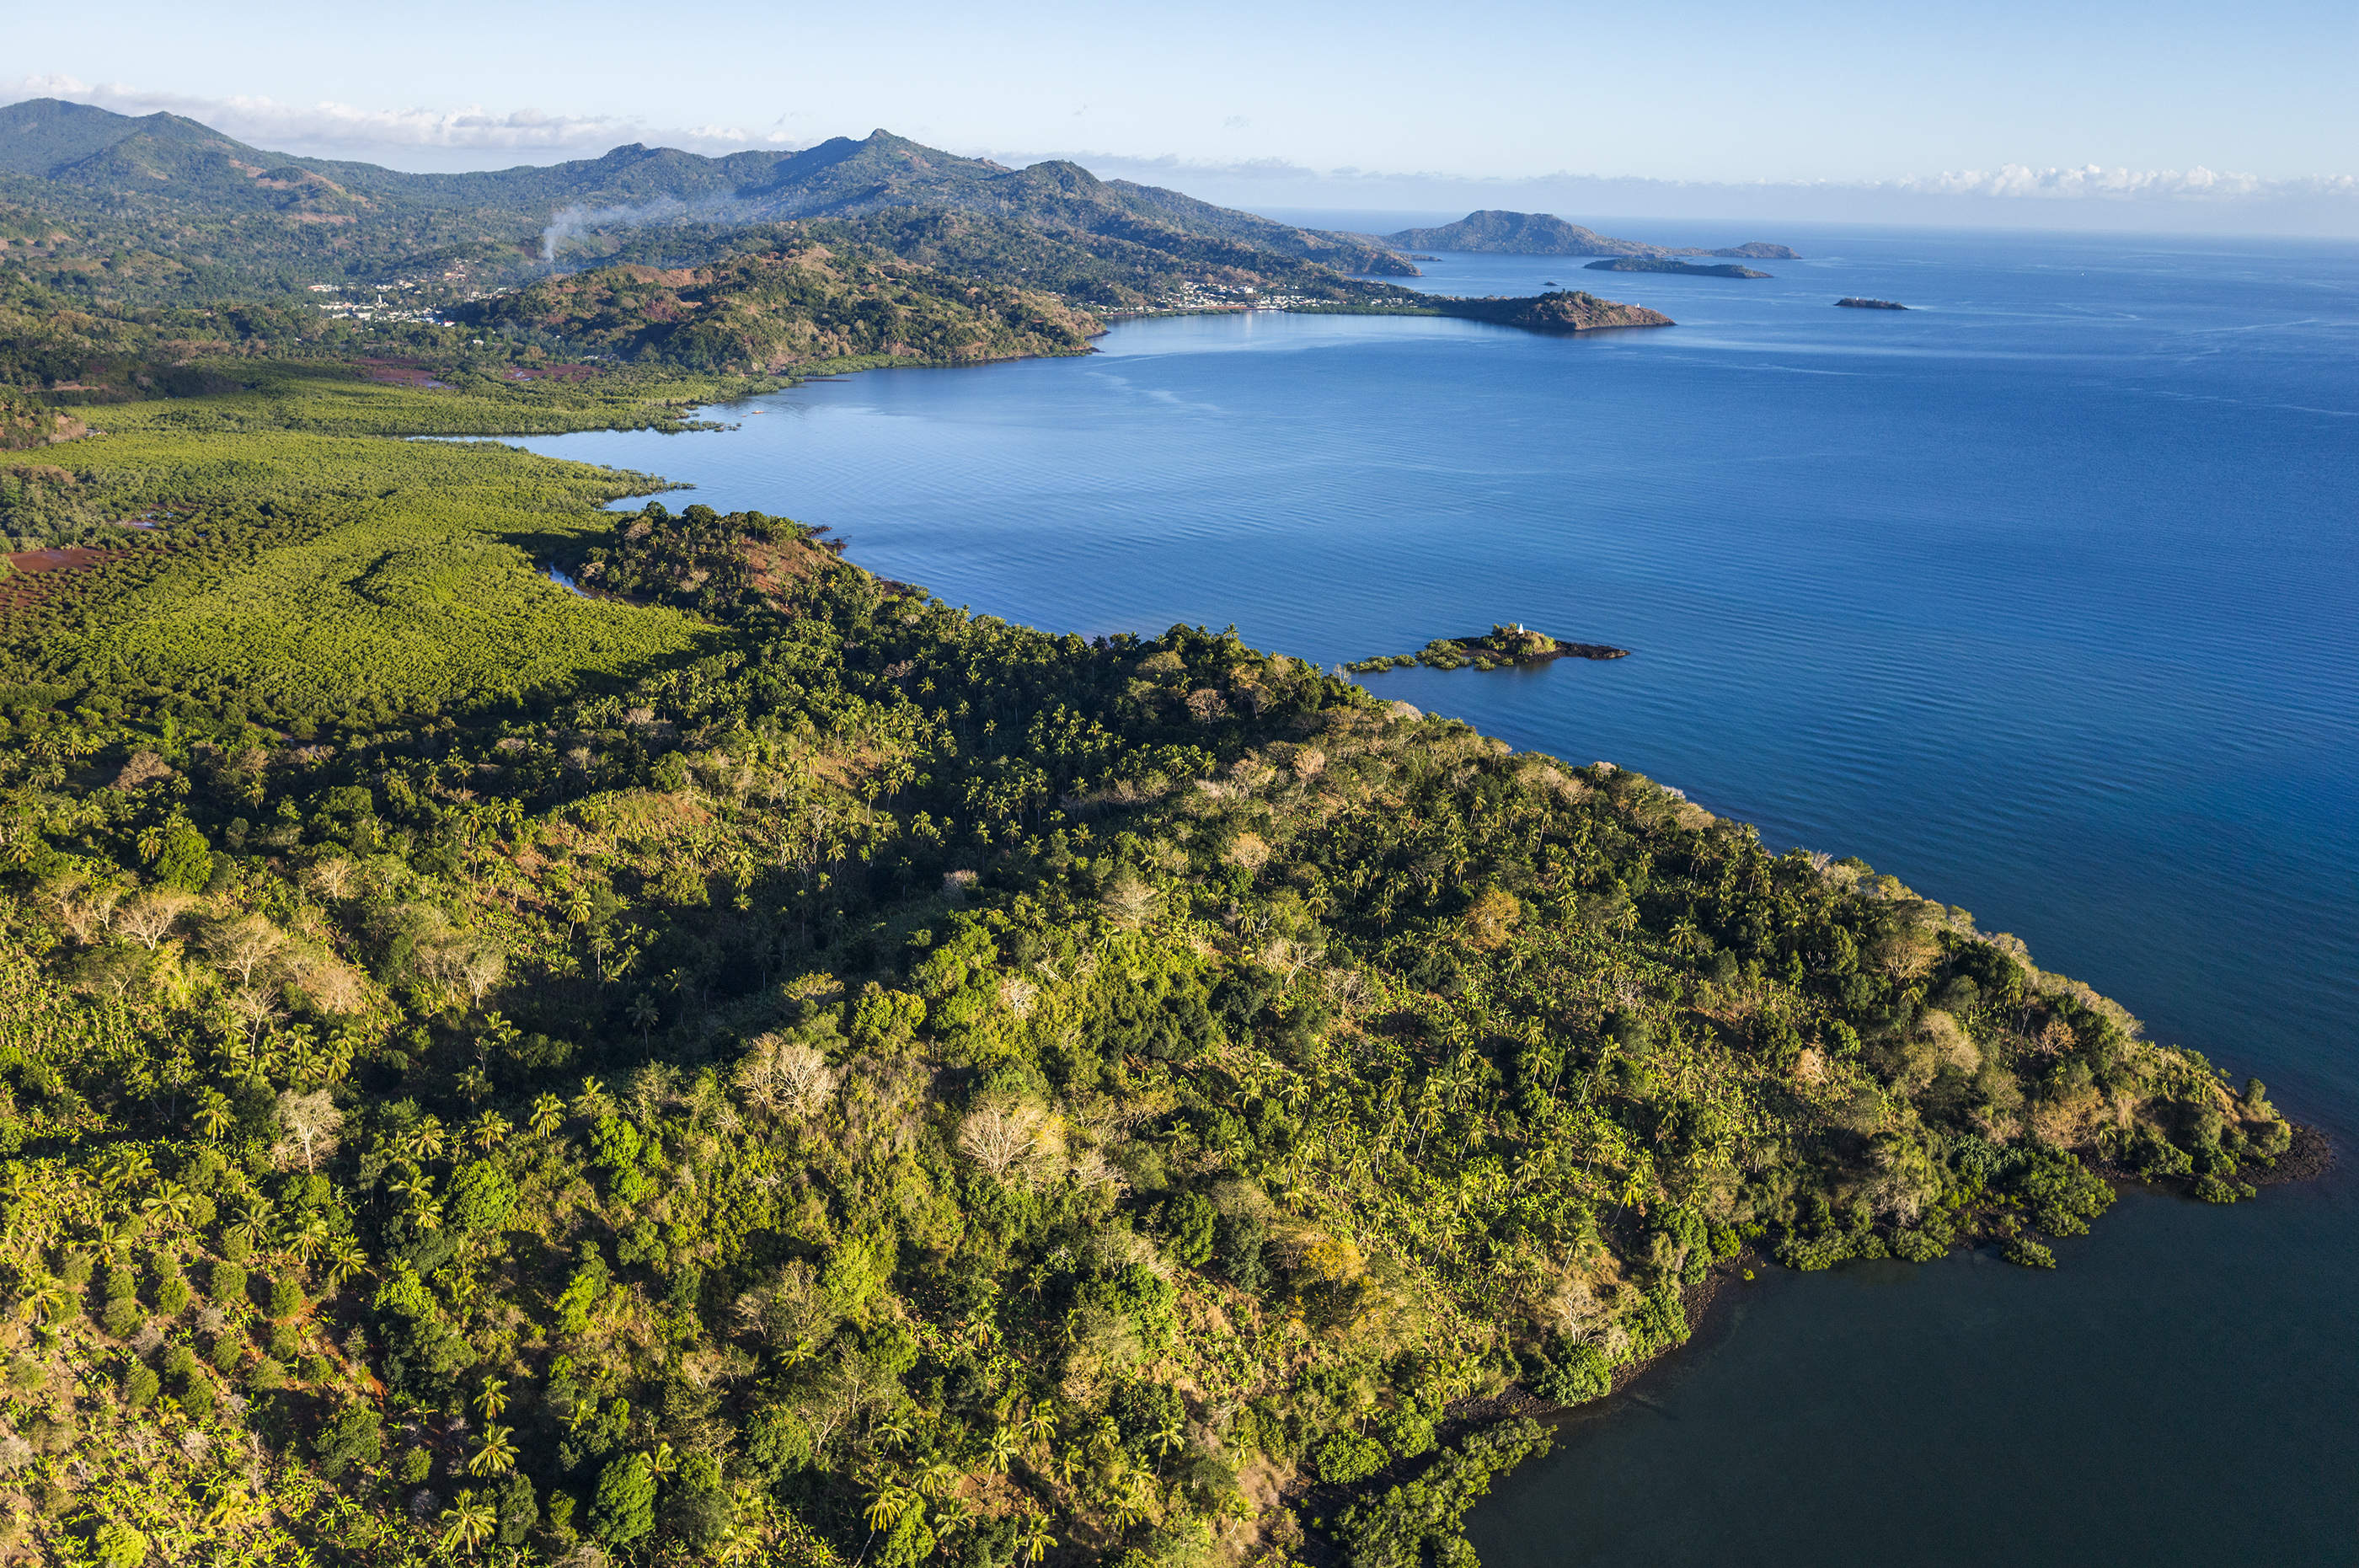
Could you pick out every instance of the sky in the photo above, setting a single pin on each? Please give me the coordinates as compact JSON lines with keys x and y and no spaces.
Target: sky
{"x":2190,"y":115}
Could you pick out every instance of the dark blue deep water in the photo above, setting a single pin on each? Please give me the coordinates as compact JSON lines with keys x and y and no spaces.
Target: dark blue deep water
{"x":2043,"y":596}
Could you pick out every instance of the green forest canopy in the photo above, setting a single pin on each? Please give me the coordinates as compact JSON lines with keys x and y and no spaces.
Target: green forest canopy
{"x":767,"y":1064}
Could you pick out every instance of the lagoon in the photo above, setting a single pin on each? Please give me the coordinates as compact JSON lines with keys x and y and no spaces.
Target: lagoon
{"x":2039,"y":595}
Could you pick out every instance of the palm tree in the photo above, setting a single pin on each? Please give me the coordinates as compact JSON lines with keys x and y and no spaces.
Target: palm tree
{"x":254,"y":1222}
{"x":593,"y":1100}
{"x":547,"y":1115}
{"x":1036,"y":1541}
{"x":736,"y":1543}
{"x":170,"y":1202}
{"x":937,"y":1479}
{"x":213,"y":1113}
{"x":1002,"y":1447}
{"x":493,"y":1398}
{"x":1130,"y":1507}
{"x":128,"y":1166}
{"x":312,"y":1237}
{"x":487,"y":1132}
{"x":951,"y":1516}
{"x":887,"y":1504}
{"x":471,"y":1522}
{"x":421,"y":1143}
{"x":1040,"y":1423}
{"x":1171,"y":1436}
{"x":642,"y":1014}
{"x":47,"y":1299}
{"x":345,"y":1260}
{"x":494,"y":1455}
{"x":113,"y":1242}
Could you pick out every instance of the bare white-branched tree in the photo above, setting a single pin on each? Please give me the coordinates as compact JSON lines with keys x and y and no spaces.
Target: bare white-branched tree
{"x":1130,"y":902}
{"x":148,"y":918}
{"x":787,"y":1077}
{"x":1014,"y":1143}
{"x":242,"y":944}
{"x":332,"y":879}
{"x":307,"y":1126}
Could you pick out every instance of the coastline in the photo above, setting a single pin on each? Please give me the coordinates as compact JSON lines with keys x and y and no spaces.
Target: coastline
{"x":2310,"y":1156}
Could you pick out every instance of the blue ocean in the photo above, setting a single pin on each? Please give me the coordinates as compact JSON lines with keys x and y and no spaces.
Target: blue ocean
{"x":2042,"y":595}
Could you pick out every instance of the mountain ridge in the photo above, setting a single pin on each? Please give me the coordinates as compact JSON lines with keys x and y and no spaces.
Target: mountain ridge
{"x":78,"y":153}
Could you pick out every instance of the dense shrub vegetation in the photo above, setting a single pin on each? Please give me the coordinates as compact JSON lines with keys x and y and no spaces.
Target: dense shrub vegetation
{"x":801,"y":303}
{"x":767,"y":1066}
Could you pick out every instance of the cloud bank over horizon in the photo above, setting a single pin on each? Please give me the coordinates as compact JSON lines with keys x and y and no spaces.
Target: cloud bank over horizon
{"x":2011,"y":194}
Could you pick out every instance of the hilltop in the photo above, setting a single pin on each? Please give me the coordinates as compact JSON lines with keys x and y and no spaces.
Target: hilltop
{"x":1543,"y":233}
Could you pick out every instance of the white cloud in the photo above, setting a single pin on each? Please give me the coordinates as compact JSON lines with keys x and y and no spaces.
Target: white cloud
{"x":2010,"y":180}
{"x":344,"y":129}
{"x":2092,"y":181}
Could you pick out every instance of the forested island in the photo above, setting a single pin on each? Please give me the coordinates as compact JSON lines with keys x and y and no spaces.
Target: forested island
{"x":1559,"y":311}
{"x":1679,"y":268}
{"x":1544,"y":234}
{"x":759,"y":1064}
{"x":1856,"y":303}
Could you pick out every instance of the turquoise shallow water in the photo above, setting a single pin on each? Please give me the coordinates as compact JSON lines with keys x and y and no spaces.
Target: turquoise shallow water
{"x":2039,"y":595}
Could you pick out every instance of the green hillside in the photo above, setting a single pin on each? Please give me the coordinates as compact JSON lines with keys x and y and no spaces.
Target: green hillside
{"x":803,"y":303}
{"x":764,"y":1066}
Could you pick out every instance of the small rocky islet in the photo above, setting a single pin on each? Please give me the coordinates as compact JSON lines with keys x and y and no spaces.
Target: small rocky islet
{"x":1503,"y":648}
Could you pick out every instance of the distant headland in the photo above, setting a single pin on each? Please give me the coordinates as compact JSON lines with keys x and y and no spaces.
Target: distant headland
{"x":1663,"y":264}
{"x":1544,"y":234}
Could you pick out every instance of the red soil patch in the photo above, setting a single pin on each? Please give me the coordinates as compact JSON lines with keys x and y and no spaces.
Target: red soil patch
{"x":67,"y":559}
{"x":34,"y":573}
{"x":23,"y":586}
